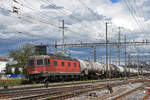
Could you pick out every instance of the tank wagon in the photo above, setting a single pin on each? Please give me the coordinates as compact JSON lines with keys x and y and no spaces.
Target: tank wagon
{"x":91,"y":69}
{"x":44,"y":67}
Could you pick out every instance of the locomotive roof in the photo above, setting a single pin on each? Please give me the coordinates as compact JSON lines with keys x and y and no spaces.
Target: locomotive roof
{"x":53,"y":57}
{"x":39,"y":56}
{"x":61,"y":57}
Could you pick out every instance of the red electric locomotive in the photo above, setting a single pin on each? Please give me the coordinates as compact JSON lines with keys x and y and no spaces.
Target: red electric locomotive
{"x":50,"y":68}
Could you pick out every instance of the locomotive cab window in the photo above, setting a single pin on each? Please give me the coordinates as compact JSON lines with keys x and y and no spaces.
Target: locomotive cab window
{"x":69,"y":64}
{"x":62,"y":63}
{"x":40,"y":62}
{"x":31,"y":62}
{"x":74,"y":64}
{"x":55,"y":63}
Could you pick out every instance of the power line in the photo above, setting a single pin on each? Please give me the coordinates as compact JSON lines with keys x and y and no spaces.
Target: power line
{"x":140,"y":10}
{"x":89,"y":9}
{"x":57,"y":26}
{"x":23,"y":32}
{"x":135,"y":13}
{"x":104,"y":44}
{"x":46,"y":22}
{"x":134,"y":17}
{"x":41,"y":18}
{"x":66,"y":29}
{"x":70,"y":16}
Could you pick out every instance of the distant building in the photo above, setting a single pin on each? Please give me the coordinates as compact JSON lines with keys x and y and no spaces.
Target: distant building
{"x":3,"y":63}
{"x":41,"y":49}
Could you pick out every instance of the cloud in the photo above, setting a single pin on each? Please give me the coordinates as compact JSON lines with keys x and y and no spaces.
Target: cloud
{"x":39,"y":21}
{"x":5,"y":11}
{"x":51,"y":7}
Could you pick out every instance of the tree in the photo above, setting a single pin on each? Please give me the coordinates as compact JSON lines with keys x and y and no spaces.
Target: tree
{"x":17,"y":70}
{"x":8,"y":69}
{"x":21,"y":57}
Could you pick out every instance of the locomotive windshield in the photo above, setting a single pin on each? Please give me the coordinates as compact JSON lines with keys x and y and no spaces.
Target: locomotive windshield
{"x":43,"y":61}
{"x":40,"y":62}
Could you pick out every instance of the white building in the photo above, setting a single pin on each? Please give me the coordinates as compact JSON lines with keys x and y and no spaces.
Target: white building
{"x":3,"y":62}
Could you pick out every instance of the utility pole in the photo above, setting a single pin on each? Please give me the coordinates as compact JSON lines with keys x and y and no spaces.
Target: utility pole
{"x":88,"y":58}
{"x":110,"y":55}
{"x":95,"y":54}
{"x":56,"y":47}
{"x":129,"y":58}
{"x":106,"y":52}
{"x":119,"y":45}
{"x":109,"y":60}
{"x":137,"y":60}
{"x":137,"y":64}
{"x":63,"y":35}
{"x":125,"y":53}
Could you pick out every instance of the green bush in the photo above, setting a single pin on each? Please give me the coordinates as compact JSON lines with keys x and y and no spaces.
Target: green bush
{"x":10,"y":82}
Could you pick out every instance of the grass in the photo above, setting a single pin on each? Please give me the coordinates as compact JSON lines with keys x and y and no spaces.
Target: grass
{"x":15,"y":82}
{"x":11,"y":82}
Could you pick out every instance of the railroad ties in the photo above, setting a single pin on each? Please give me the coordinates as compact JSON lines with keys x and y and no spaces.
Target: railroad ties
{"x":73,"y":90}
{"x":67,"y":91}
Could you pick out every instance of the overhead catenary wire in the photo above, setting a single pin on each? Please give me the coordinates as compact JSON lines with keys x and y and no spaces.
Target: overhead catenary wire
{"x":66,"y":29}
{"x":133,"y":15}
{"x":54,"y":24}
{"x":35,"y":19}
{"x":140,"y":12}
{"x":48,"y":16}
{"x":38,"y":20}
{"x":64,"y":11}
{"x":20,"y":31}
{"x":60,"y":11}
{"x":92,"y":12}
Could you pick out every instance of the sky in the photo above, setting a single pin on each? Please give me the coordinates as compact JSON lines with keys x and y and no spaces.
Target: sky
{"x":114,"y":1}
{"x":38,"y":21}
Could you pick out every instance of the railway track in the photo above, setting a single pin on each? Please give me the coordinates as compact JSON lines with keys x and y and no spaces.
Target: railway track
{"x":11,"y":94}
{"x":120,"y":97}
{"x":23,"y":87}
{"x":41,"y":86}
{"x":77,"y":93}
{"x":146,"y":97}
{"x":59,"y":93}
{"x":53,"y":85}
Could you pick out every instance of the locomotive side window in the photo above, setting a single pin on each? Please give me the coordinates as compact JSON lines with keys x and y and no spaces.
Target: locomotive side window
{"x":74,"y":64}
{"x":31,"y":62}
{"x":69,"y":64}
{"x":55,"y":63}
{"x":62,"y":63}
{"x":40,"y":62}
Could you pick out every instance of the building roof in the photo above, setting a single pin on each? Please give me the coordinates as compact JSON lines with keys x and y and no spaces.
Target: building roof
{"x":3,"y":59}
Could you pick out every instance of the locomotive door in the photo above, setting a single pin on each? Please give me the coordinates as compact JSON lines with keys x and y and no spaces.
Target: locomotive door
{"x":46,"y":61}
